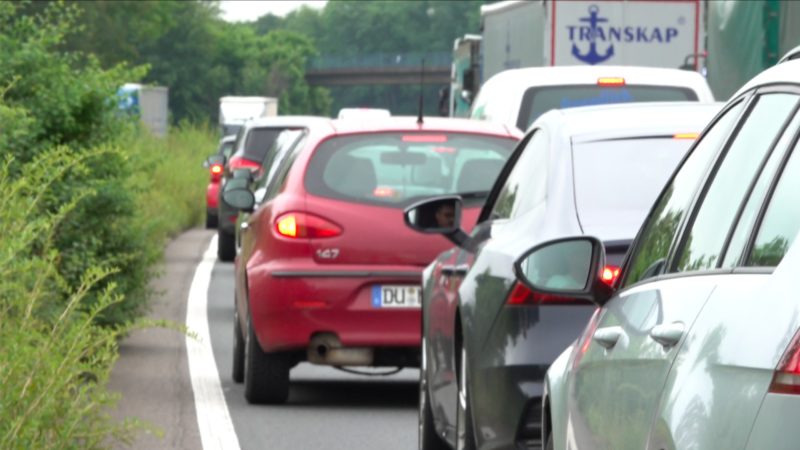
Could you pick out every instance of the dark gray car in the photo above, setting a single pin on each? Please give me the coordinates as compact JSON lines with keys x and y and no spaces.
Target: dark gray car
{"x":254,"y":150}
{"x":487,"y":340}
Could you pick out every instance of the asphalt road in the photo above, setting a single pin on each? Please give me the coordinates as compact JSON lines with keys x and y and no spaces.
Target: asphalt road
{"x":327,"y":409}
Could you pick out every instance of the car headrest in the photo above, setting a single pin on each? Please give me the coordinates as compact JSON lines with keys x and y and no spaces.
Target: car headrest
{"x":477,"y":174}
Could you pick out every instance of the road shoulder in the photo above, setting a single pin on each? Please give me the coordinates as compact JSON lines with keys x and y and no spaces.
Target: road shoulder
{"x":152,"y":373}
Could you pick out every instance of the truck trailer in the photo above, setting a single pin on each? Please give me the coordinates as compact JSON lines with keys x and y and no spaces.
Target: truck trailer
{"x":234,"y":111}
{"x":150,"y":103}
{"x":656,"y":33}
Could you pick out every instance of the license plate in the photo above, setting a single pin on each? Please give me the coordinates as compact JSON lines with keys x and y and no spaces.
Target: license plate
{"x":385,"y":296}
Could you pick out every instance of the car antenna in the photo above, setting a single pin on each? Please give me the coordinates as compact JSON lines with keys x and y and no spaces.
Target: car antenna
{"x":421,"y":84}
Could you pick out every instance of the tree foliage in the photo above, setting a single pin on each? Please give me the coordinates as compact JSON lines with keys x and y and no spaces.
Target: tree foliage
{"x":198,"y":56}
{"x":346,"y":28}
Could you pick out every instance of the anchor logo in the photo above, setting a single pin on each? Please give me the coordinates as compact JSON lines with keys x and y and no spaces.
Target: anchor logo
{"x":592,"y":57}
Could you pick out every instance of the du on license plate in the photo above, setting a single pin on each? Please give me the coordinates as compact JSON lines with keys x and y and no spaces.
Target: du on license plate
{"x":384,"y":296}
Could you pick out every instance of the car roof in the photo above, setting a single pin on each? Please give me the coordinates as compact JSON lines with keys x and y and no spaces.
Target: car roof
{"x":409,"y":123}
{"x":783,"y":73}
{"x":627,"y":120}
{"x":562,"y":75}
{"x":284,"y":121}
{"x":228,"y":138}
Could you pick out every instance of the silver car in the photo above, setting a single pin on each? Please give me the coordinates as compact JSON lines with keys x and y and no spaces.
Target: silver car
{"x":697,"y":344}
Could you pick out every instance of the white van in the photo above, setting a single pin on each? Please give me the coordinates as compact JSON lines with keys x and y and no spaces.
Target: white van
{"x":517,"y":97}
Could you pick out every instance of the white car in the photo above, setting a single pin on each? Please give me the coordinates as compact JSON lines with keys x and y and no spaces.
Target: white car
{"x":697,"y":345}
{"x":791,"y":55}
{"x":517,"y":97}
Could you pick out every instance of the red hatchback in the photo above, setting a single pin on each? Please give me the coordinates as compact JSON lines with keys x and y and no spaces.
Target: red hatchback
{"x":328,"y":272}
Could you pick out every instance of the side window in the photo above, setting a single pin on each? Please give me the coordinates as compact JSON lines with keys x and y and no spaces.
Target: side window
{"x":227,"y":150}
{"x":652,"y":247}
{"x":275,"y":184}
{"x":526,"y":184}
{"x":739,"y":240}
{"x":782,"y":218}
{"x":239,"y":142}
{"x":704,"y":243}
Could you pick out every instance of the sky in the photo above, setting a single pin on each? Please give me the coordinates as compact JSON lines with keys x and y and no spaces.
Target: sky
{"x":246,"y":11}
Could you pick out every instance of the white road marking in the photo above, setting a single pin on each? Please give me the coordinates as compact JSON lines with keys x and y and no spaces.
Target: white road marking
{"x":213,"y":418}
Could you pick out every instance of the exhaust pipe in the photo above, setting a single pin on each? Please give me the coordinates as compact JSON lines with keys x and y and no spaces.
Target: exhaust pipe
{"x":326,"y":349}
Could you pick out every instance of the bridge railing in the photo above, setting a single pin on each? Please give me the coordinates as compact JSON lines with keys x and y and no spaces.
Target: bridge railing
{"x":380,"y":61}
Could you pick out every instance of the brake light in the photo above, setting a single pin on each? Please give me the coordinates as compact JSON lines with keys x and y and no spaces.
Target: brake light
{"x":216,"y":172}
{"x":787,"y":376}
{"x":383,"y":192}
{"x":691,"y":136}
{"x":611,"y":81}
{"x":520,"y":295}
{"x":610,"y":275}
{"x":425,"y":138}
{"x":302,"y":225}
{"x":241,"y":163}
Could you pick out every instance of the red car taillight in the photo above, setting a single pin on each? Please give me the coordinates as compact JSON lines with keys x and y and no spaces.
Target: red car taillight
{"x":520,"y":295}
{"x":237,"y":162}
{"x":303,"y":225}
{"x":610,"y":275}
{"x":216,"y":172}
{"x":787,"y":376}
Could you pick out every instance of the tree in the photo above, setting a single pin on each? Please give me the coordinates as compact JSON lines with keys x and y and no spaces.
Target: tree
{"x":197,"y":55}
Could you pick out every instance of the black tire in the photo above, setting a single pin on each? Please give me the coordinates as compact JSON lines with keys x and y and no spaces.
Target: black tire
{"x":266,"y":375}
{"x":226,"y":246}
{"x":428,"y":440}
{"x":237,"y":373}
{"x":211,"y":221}
{"x":465,"y":435}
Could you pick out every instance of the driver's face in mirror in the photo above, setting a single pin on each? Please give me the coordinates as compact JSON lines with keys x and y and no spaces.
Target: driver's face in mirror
{"x":445,"y":215}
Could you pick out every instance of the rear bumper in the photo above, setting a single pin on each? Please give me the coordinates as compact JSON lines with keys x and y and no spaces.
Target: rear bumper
{"x":509,"y":380}
{"x":290,"y":304}
{"x":227,"y":216}
{"x":506,"y":406}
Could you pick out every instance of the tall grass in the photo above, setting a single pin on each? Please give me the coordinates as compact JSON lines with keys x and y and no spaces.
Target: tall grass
{"x":171,"y":169}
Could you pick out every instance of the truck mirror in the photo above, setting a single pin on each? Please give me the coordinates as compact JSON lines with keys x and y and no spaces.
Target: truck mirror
{"x":466,"y":96}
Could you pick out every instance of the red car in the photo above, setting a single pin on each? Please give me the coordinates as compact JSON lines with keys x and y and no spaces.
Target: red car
{"x":215,"y":165}
{"x":328,"y":272}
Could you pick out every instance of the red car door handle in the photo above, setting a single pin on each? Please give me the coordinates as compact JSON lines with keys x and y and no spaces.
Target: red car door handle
{"x":667,"y":334}
{"x":608,"y":337}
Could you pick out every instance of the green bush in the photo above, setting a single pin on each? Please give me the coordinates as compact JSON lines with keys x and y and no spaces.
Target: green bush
{"x":89,"y":198}
{"x":55,"y":360}
{"x":143,"y":191}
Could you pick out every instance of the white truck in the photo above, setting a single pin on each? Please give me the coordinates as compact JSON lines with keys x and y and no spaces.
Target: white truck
{"x":234,"y":111}
{"x":656,"y":33}
{"x":150,"y":103}
{"x":464,"y":75}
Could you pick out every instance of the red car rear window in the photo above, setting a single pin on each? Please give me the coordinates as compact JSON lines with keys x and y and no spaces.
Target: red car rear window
{"x":395,"y":169}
